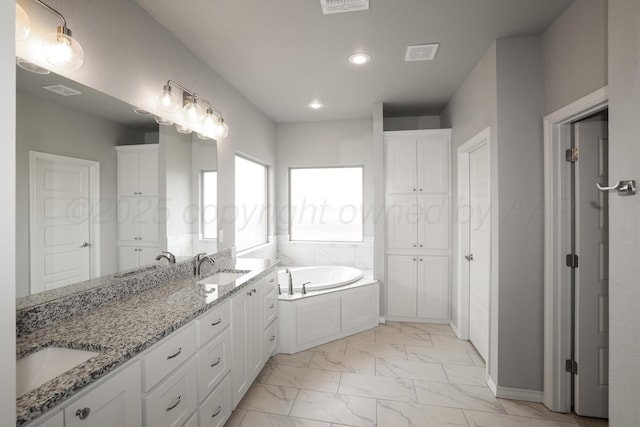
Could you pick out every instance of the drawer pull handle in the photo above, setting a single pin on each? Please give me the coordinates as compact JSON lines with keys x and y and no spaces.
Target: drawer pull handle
{"x":217,"y":322}
{"x":271,"y":306}
{"x":272,"y":280}
{"x":217,"y":362}
{"x":83,"y":413}
{"x":178,"y":400}
{"x":217,"y":411}
{"x":273,"y":337}
{"x":175,"y":354}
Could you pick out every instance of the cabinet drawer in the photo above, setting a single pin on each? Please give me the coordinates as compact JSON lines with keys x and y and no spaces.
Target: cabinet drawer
{"x":213,"y":322}
{"x":270,"y":307}
{"x":214,"y":362}
{"x":171,"y":403}
{"x":215,"y":411}
{"x":270,"y":341}
{"x":271,"y":280}
{"x":168,"y":355}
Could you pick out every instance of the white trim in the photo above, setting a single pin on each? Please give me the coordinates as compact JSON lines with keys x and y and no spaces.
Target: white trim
{"x":557,"y":334}
{"x":94,"y":209}
{"x":514,"y":393}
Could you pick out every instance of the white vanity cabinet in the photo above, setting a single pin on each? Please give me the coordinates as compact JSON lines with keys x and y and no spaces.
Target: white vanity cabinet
{"x":418,"y":224}
{"x":269,"y":301}
{"x":138,"y":205}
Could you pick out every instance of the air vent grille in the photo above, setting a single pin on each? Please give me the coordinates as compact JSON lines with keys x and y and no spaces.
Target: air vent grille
{"x":421,"y":52}
{"x":339,"y":6}
{"x":62,"y":90}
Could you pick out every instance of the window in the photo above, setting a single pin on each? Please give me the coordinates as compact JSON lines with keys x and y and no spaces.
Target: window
{"x":325,"y":204}
{"x":209,"y":204}
{"x":251,"y":204}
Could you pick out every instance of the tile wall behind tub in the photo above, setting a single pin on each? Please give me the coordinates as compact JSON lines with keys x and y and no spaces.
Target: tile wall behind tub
{"x":303,"y":254}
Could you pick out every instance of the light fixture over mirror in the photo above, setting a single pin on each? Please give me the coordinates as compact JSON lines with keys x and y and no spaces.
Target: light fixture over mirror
{"x":23,"y":23}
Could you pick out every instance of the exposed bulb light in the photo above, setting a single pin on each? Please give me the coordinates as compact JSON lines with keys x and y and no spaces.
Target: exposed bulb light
{"x":62,"y":50}
{"x":23,"y":23}
{"x":210,"y":122}
{"x":316,"y":105}
{"x":193,"y":111}
{"x":360,"y":58}
{"x":183,"y":129}
{"x":165,"y":100}
{"x":221,"y":130}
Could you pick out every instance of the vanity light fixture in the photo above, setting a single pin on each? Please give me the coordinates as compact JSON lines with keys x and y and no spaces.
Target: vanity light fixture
{"x":31,"y":66}
{"x":23,"y":23}
{"x":195,"y":108}
{"x":162,"y":121}
{"x":360,"y":58}
{"x":60,"y":48}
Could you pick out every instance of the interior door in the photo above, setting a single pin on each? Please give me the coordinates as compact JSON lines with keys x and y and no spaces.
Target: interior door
{"x":60,"y":229}
{"x":591,"y":276}
{"x":479,"y":249}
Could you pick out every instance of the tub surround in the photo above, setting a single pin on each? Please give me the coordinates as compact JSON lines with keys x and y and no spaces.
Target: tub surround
{"x":124,"y":317}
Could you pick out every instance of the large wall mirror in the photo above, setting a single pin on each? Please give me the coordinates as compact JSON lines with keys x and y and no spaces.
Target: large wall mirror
{"x":67,"y":177}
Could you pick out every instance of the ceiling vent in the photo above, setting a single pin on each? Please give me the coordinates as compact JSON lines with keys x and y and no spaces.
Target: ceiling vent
{"x":339,"y":6}
{"x":62,"y":90}
{"x":421,"y":52}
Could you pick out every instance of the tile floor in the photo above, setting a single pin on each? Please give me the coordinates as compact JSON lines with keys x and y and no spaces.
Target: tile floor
{"x":396,"y":375}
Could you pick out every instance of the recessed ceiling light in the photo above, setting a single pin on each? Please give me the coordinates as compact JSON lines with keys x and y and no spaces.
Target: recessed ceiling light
{"x":360,"y":58}
{"x":315,"y":105}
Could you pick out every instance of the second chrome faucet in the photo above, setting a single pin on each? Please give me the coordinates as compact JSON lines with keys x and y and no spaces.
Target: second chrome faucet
{"x":200,"y":259}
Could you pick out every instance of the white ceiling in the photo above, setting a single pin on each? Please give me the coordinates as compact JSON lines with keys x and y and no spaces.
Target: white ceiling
{"x":282,"y":54}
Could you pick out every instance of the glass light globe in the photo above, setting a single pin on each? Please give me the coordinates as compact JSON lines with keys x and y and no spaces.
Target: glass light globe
{"x":210,"y":122}
{"x":62,"y":50}
{"x":166,"y":100}
{"x":193,"y":111}
{"x":23,"y":23}
{"x":221,"y":130}
{"x":183,"y":129}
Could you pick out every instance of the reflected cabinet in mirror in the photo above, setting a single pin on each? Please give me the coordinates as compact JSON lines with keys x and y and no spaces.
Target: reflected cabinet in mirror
{"x":101,"y":189}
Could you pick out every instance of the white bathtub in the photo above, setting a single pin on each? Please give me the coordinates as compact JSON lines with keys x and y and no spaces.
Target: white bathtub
{"x":317,"y":278}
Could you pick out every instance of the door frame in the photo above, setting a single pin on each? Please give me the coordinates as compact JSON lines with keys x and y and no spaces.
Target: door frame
{"x":477,"y":141}
{"x":94,"y":210}
{"x":557,"y":235}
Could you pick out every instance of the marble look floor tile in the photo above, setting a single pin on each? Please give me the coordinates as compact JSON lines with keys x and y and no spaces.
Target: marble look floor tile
{"x":235,"y":418}
{"x":400,"y":414}
{"x":269,"y":398}
{"x":300,"y":359}
{"x":341,"y":362}
{"x":477,"y":360}
{"x":486,"y":419}
{"x":337,"y":346}
{"x":451,"y":343}
{"x":404,"y":339}
{"x":310,"y":379}
{"x":335,"y":408}
{"x":377,"y":387}
{"x":386,"y":351}
{"x":261,"y":419}
{"x":427,"y":328}
{"x":533,"y":410}
{"x":264,"y":374}
{"x":439,"y":355}
{"x":457,"y":396}
{"x":469,"y":375}
{"x":411,"y":370}
{"x":367,"y":336}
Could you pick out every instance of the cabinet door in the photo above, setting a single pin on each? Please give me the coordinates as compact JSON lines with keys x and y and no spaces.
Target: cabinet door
{"x":214,"y":362}
{"x":401,"y":164}
{"x":115,"y":403}
{"x":433,"y":287}
{"x":402,"y":221}
{"x":401,"y":285}
{"x":433,"y":221}
{"x":128,"y":258}
{"x":148,"y":172}
{"x":255,"y":332}
{"x":147,"y":256}
{"x":433,"y":164}
{"x":128,"y":229}
{"x":147,"y":219}
{"x":127,"y":173}
{"x":239,"y":332}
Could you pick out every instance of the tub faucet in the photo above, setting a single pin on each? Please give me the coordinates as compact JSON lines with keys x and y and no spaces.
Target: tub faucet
{"x":200,"y":259}
{"x":168,"y":256}
{"x":304,"y":288}
{"x":290,"y":281}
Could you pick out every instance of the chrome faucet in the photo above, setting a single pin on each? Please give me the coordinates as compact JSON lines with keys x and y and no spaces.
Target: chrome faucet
{"x":168,"y":256}
{"x":199,"y":260}
{"x":290,"y":281}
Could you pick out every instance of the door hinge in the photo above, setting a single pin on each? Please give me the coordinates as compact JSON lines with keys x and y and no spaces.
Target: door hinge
{"x":571,"y":366}
{"x":571,"y":155}
{"x":572,"y":260}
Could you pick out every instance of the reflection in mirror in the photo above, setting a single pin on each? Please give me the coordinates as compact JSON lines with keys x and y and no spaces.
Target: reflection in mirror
{"x":70,"y":224}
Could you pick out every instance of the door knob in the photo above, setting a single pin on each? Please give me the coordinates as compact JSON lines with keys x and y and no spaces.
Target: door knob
{"x":85,"y":245}
{"x":469,"y":257}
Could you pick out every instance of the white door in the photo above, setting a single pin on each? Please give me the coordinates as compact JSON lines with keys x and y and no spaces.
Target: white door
{"x":591,"y":276}
{"x":479,"y":249}
{"x":60,"y":230}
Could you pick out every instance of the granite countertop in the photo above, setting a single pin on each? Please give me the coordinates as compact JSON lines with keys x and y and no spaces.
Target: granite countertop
{"x":121,"y":330}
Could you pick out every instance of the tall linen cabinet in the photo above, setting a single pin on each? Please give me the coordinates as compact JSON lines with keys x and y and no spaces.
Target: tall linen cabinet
{"x":418,"y":224}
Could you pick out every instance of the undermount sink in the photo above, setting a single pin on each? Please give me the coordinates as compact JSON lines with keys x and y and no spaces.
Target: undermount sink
{"x":37,"y":368}
{"x":222,"y":278}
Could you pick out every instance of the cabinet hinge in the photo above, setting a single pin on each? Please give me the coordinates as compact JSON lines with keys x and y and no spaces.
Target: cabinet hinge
{"x":571,"y":155}
{"x":572,"y":260}
{"x":571,"y":366}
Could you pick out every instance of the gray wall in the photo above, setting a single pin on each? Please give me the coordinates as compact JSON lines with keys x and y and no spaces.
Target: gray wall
{"x":411,"y":123}
{"x":50,"y":128}
{"x":624,"y":227}
{"x":575,"y":54}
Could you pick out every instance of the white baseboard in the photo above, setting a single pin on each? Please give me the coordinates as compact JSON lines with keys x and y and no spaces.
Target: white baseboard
{"x":514,"y":393}
{"x":455,"y":329}
{"x":382,"y":320}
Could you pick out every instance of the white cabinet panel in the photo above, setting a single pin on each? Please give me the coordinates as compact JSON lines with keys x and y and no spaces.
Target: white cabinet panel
{"x":168,"y":355}
{"x":317,"y":318}
{"x":402,"y":221}
{"x":213,"y":322}
{"x":433,"y":163}
{"x":402,"y":284}
{"x":138,"y":170}
{"x":138,"y":219}
{"x":433,"y":225}
{"x":359,"y":307}
{"x":149,"y":173}
{"x":270,"y":342}
{"x":127,"y":172}
{"x":270,"y":307}
{"x":433,"y":287}
{"x":217,"y":408}
{"x":214,"y":362}
{"x":401,"y":165}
